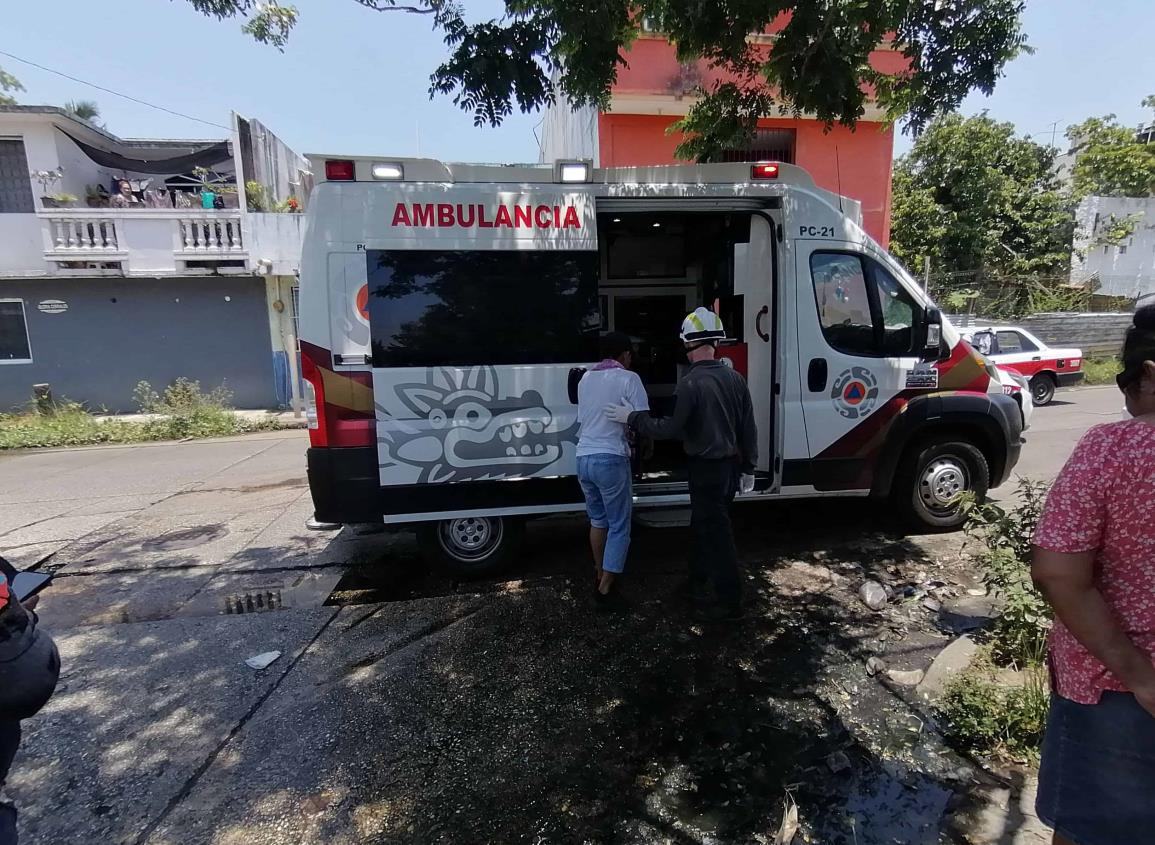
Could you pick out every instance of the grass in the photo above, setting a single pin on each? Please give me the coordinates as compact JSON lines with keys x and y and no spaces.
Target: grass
{"x":1100,"y":370}
{"x":183,"y":411}
{"x":990,"y":717}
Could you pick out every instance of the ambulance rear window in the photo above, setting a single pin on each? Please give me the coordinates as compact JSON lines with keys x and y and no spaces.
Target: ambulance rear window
{"x":431,"y":308}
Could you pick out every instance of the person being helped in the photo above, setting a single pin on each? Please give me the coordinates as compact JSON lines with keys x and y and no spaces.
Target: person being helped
{"x":714,"y":418}
{"x":1094,"y":560}
{"x":603,"y":459}
{"x":29,"y":670}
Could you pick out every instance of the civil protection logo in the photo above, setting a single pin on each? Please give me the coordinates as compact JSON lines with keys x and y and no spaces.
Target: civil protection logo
{"x":855,"y":393}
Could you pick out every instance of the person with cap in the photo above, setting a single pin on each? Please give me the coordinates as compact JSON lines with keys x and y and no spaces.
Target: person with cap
{"x":714,"y":418}
{"x":603,"y":461}
{"x":29,"y":670}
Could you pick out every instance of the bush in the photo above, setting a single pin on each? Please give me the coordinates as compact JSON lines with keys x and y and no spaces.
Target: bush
{"x":69,"y":425}
{"x":1019,"y":636}
{"x":186,"y":411}
{"x":1100,"y":370}
{"x":987,"y":717}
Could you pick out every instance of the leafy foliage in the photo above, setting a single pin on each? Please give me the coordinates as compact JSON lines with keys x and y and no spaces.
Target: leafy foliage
{"x":819,"y":64}
{"x":83,"y":109}
{"x":972,"y":196}
{"x":1110,"y":161}
{"x":1020,"y":634}
{"x":992,"y":718}
{"x":9,"y":85}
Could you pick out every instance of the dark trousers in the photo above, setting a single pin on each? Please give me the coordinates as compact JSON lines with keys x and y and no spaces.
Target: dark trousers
{"x":9,"y":742}
{"x":713,"y":484}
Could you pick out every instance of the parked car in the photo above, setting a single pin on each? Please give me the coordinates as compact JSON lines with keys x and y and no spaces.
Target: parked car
{"x":1014,"y":348}
{"x":1018,"y":387}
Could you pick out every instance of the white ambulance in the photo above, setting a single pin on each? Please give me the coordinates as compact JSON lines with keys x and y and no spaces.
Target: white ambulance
{"x":447,"y":310}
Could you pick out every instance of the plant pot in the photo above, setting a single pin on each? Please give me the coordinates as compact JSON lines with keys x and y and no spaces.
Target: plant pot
{"x":49,"y":202}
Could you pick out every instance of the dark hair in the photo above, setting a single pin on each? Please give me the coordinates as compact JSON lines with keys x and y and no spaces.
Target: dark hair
{"x":1138,"y":347}
{"x":613,"y":344}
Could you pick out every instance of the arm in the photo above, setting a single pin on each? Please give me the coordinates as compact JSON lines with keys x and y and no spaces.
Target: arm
{"x":668,"y":428}
{"x":1068,"y":582}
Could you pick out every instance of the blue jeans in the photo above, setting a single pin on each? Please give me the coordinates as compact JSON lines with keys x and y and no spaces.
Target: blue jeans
{"x":605,"y":481}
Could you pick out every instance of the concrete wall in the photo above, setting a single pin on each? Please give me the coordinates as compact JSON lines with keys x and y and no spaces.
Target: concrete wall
{"x":1123,"y":269}
{"x":22,"y":245}
{"x":1098,"y":335}
{"x":117,"y":332}
{"x":276,"y":238}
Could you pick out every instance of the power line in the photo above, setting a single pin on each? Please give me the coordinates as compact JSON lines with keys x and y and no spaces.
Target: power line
{"x":115,"y":93}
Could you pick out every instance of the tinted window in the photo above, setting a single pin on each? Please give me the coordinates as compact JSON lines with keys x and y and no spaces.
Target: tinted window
{"x":1011,"y":341}
{"x":862,"y":308}
{"x":843,"y":302}
{"x":13,"y":331}
{"x":459,"y":308}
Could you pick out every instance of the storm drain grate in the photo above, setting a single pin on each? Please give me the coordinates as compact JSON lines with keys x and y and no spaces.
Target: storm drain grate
{"x":257,"y":602}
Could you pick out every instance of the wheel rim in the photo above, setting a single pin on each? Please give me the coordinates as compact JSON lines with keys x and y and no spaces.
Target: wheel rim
{"x":943,"y":480}
{"x":471,"y":538}
{"x":1041,"y":392}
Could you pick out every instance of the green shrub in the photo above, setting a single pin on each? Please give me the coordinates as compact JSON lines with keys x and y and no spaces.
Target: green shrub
{"x":1019,"y":636}
{"x":1100,"y":370}
{"x":990,"y":718}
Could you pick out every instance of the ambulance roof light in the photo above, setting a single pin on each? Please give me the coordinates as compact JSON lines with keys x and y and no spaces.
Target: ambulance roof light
{"x":390,"y":170}
{"x":764,"y":171}
{"x":340,"y":170}
{"x":572,"y":171}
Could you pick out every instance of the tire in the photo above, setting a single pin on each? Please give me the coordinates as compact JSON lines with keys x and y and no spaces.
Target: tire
{"x":1042,"y":389}
{"x":933,"y":476}
{"x":472,"y":546}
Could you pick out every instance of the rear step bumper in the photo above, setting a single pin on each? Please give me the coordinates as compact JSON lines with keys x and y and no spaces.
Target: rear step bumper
{"x":345,"y":483}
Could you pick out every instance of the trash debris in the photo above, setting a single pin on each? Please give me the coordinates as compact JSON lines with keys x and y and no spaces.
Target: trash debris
{"x":873,"y":595}
{"x":933,"y":605}
{"x":977,"y":591}
{"x":789,"y":826}
{"x":905,"y":678}
{"x":875,"y":665}
{"x":838,"y":762}
{"x":263,"y":660}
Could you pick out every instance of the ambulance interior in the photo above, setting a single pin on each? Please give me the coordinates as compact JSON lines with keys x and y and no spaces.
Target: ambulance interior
{"x":655,"y":268}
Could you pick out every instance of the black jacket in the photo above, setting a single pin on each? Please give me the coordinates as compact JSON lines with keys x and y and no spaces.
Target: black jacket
{"x":713,"y":416}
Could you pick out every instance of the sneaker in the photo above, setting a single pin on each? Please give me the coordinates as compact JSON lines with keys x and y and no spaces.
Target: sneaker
{"x":611,"y":602}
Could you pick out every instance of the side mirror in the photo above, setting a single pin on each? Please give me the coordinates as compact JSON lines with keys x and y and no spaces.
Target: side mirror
{"x":932,"y":346}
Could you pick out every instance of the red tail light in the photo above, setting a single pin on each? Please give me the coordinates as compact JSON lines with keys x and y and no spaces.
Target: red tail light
{"x":335,"y":421}
{"x":340,"y":170}
{"x":764,"y":171}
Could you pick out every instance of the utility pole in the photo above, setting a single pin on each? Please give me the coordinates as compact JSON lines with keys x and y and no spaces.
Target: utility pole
{"x":1054,"y":130}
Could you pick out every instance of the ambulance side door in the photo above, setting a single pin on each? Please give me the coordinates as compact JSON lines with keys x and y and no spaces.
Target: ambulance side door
{"x":857,"y":328}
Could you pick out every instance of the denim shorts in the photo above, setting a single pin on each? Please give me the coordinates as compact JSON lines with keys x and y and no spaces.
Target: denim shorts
{"x":1097,"y":777}
{"x":605,"y":483}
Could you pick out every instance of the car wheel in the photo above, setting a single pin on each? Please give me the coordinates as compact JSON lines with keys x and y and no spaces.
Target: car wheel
{"x":1042,"y":389}
{"x":471,"y":546}
{"x":933,"y":479}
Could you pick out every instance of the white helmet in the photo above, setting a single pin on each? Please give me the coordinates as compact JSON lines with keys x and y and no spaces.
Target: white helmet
{"x":702,"y":325}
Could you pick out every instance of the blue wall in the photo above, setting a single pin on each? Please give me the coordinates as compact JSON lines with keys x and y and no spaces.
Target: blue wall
{"x":117,"y":332}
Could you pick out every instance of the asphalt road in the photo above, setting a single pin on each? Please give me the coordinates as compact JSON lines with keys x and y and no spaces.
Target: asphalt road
{"x":167,"y":557}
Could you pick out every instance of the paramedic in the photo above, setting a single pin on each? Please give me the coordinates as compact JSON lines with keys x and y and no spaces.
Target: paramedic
{"x":714,"y":419}
{"x":603,"y":458}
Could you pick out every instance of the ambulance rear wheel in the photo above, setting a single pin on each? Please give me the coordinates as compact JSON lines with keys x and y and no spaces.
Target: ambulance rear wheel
{"x":1042,"y":389}
{"x":471,"y":546}
{"x":934,"y":478}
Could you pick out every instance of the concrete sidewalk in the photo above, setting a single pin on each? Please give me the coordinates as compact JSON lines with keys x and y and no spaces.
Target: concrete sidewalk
{"x":285,"y":419}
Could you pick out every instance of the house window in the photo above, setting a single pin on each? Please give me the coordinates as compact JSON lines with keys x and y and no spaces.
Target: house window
{"x":768,"y":145}
{"x":15,"y":182}
{"x":14,"y":347}
{"x":1122,"y":249}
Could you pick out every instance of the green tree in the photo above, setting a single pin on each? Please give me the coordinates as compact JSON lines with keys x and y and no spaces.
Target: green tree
{"x":972,"y":196}
{"x":83,"y":109}
{"x":9,"y":85}
{"x":819,"y":63}
{"x":1110,"y":161}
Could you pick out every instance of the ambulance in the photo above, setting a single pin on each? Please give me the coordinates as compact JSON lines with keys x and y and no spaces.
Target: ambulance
{"x":448,"y":310}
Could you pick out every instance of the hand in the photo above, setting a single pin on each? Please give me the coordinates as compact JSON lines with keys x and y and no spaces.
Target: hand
{"x":619,"y":413}
{"x":746,"y":483}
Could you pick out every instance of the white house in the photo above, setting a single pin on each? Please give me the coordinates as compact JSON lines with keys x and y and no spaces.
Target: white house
{"x":1120,"y":266}
{"x":126,"y":260}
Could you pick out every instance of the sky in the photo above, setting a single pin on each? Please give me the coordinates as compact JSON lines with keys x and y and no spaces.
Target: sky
{"x":355,"y":81}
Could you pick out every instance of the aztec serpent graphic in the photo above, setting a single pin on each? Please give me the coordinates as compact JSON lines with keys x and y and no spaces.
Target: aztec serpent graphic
{"x":459,"y":425}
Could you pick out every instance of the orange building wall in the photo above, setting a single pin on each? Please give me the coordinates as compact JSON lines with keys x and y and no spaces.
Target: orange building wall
{"x":864,"y":156}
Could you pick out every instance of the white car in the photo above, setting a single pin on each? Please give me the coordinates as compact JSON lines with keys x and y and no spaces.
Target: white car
{"x":1018,"y":388}
{"x":1014,"y":348}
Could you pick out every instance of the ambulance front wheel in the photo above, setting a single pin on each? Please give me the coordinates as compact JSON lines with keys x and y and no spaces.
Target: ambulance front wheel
{"x":471,"y":546}
{"x":934,"y":478}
